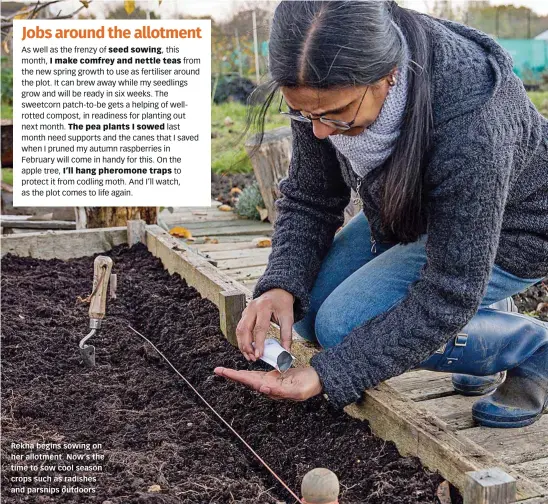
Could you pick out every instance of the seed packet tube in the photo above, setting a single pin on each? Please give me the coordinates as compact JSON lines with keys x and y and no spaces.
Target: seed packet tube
{"x":275,"y":355}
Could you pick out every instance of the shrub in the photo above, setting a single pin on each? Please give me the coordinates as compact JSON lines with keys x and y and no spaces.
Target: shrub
{"x":249,"y":200}
{"x":232,"y":89}
{"x":6,"y":82}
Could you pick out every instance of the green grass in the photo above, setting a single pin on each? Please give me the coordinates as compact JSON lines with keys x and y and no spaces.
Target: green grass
{"x":7,"y":111}
{"x":228,"y":153}
{"x":540,"y":99}
{"x":7,"y":176}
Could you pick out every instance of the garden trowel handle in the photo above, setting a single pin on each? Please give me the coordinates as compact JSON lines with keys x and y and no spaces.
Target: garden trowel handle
{"x":101,"y":275}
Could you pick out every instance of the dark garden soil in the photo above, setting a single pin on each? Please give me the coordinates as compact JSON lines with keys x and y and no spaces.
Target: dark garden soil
{"x":152,"y":429}
{"x":534,"y":301}
{"x":222,"y":184}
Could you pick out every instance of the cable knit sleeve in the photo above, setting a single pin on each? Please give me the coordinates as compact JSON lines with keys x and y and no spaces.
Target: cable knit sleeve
{"x":467,"y":183}
{"x":311,"y":209}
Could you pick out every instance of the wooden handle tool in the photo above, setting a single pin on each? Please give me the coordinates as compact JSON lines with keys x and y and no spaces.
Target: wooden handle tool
{"x":102,"y":268}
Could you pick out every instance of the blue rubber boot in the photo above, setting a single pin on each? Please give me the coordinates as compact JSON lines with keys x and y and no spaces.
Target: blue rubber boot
{"x":521,"y":399}
{"x":492,"y":342}
{"x":469,"y":385}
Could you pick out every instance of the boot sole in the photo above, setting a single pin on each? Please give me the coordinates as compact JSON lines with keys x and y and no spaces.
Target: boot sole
{"x":507,"y":423}
{"x":481,"y":391}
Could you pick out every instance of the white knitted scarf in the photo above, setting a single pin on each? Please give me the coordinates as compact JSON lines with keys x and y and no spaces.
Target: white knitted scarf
{"x":373,"y":146}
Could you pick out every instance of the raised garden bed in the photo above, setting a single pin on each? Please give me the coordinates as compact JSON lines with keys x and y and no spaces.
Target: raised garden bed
{"x":152,"y":429}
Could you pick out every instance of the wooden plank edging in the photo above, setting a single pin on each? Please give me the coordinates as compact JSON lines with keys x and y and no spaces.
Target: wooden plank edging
{"x":210,"y":282}
{"x":52,"y":245}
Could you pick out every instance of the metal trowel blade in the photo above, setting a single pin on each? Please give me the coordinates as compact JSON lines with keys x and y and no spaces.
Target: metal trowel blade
{"x":88,"y":354}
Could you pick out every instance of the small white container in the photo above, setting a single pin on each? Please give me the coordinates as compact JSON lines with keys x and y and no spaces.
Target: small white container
{"x":276,"y":355}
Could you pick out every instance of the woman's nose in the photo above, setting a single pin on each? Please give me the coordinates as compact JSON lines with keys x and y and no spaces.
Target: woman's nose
{"x":321,"y":130}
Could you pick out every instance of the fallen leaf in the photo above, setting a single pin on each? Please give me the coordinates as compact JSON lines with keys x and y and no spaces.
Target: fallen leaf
{"x":129,"y":6}
{"x":263,"y":213}
{"x":235,"y":190}
{"x":225,"y":208}
{"x":180,"y":232}
{"x":23,"y":13}
{"x":213,"y":240}
{"x":542,"y":307}
{"x":263,"y":242}
{"x":154,"y":488}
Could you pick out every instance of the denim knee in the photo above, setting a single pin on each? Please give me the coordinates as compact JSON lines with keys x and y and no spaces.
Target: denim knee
{"x":305,"y":328}
{"x":336,"y":319}
{"x":339,"y":315}
{"x":328,"y":328}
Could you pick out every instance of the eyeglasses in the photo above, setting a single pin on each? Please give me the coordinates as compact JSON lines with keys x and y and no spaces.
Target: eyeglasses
{"x":333,"y":123}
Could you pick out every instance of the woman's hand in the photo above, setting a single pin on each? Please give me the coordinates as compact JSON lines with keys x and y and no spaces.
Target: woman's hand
{"x":297,"y":384}
{"x":274,"y":304}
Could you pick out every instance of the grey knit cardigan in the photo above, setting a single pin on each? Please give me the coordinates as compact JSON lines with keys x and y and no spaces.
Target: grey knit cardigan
{"x":486,"y":201}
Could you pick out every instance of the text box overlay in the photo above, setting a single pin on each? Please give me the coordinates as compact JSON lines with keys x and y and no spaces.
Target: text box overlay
{"x":112,"y":113}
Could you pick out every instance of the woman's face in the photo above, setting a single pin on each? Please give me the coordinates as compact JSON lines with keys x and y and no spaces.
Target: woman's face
{"x":338,"y":103}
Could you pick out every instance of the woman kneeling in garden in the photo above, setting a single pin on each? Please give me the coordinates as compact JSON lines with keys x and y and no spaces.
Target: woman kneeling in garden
{"x":425,"y":120}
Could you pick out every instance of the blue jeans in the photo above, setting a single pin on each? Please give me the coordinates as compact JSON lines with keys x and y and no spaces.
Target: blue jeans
{"x":354,"y":284}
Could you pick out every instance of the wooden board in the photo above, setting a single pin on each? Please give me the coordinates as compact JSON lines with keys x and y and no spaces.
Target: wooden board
{"x":514,"y":446}
{"x":226,"y":239}
{"x":423,"y":416}
{"x":196,"y":216}
{"x":537,"y":470}
{"x":227,"y":246}
{"x":251,"y":228}
{"x":250,"y":284}
{"x":64,"y":244}
{"x":225,"y":224}
{"x":226,"y":255}
{"x":179,"y":258}
{"x":7,"y":221}
{"x":233,"y":264}
{"x":422,"y":385}
{"x":247,"y":273}
{"x":454,"y":409}
{"x":209,"y":281}
{"x":418,"y":433}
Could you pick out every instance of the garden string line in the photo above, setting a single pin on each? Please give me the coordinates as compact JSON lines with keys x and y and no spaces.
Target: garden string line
{"x":220,"y":417}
